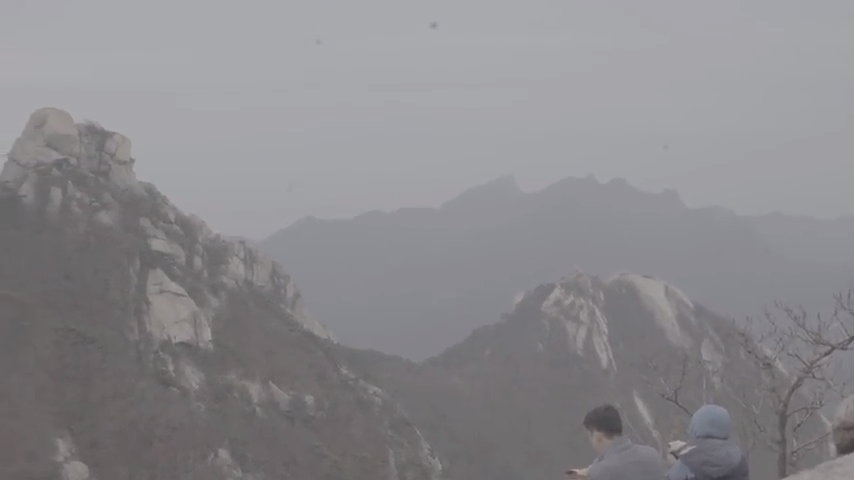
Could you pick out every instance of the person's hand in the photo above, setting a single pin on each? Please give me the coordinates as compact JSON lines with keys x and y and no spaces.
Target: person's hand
{"x":675,"y":446}
{"x":578,"y":474}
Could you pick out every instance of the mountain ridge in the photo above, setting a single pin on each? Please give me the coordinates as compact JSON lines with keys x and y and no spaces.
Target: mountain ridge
{"x":448,"y":269}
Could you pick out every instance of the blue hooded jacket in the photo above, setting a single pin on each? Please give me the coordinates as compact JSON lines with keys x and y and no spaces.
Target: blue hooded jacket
{"x":709,"y":454}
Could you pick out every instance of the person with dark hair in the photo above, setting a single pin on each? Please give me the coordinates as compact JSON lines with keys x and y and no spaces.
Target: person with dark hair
{"x":618,"y":457}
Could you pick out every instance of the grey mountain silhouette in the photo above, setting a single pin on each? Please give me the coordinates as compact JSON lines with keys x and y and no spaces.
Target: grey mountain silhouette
{"x":415,"y":281}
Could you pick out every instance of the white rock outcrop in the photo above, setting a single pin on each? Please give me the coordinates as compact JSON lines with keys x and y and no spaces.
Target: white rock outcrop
{"x":576,"y":303}
{"x":174,"y":316}
{"x":171,"y":277}
{"x":429,"y":458}
{"x":70,"y":468}
{"x":268,"y":393}
{"x":59,"y":167}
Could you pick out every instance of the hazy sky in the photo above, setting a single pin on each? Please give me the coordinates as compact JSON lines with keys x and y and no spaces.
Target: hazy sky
{"x":237,"y":113}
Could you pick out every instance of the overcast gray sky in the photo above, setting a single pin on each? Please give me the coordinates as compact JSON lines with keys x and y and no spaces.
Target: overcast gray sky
{"x":228,"y":103}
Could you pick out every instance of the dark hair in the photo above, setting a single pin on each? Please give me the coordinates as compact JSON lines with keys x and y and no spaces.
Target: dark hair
{"x":604,"y":419}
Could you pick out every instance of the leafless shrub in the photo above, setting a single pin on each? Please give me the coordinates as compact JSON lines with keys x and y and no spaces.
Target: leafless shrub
{"x":797,"y":354}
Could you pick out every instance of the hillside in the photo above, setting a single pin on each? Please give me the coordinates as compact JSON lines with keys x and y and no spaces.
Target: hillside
{"x":507,"y":402}
{"x":139,"y":345}
{"x":415,"y":281}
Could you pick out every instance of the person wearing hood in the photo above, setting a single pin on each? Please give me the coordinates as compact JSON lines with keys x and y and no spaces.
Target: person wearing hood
{"x":709,"y":454}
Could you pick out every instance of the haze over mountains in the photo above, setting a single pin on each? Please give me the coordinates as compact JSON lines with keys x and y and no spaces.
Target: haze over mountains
{"x":137,"y":344}
{"x":415,"y":281}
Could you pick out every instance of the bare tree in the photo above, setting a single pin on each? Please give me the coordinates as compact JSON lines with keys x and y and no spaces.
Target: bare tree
{"x":684,"y":385}
{"x":674,"y":382}
{"x":797,"y":355}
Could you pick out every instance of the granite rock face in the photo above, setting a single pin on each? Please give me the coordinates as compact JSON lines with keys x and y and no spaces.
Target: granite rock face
{"x":138,"y":344}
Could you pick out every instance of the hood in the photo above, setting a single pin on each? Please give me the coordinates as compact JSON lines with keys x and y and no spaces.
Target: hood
{"x":713,"y":454}
{"x":710,"y":421}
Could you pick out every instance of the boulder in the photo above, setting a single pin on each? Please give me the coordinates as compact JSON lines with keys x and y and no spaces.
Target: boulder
{"x":55,"y":129}
{"x":841,"y":468}
{"x":838,"y":469}
{"x":841,"y":430}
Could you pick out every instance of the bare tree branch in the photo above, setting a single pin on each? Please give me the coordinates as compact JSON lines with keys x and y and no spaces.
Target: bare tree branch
{"x":795,"y":354}
{"x":670,"y":392}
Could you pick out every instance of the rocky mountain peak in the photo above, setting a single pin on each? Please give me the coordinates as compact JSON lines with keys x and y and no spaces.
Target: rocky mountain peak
{"x":143,"y":345}
{"x":629,"y":339}
{"x":577,"y":303}
{"x":497,"y":190}
{"x":84,"y":173}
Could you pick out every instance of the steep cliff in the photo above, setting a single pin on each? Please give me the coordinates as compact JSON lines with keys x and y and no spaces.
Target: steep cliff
{"x":138,"y":344}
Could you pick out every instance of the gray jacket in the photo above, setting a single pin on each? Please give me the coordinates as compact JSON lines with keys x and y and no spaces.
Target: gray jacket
{"x":709,"y":454}
{"x":626,"y":460}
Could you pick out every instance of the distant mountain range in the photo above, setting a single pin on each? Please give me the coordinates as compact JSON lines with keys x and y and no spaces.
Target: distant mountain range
{"x":415,"y":281}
